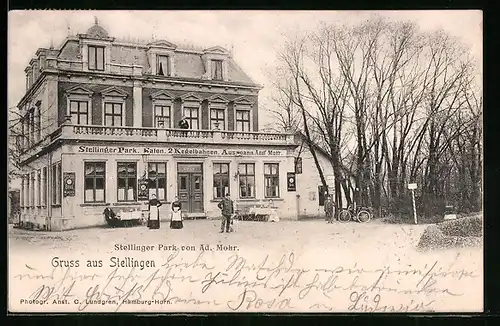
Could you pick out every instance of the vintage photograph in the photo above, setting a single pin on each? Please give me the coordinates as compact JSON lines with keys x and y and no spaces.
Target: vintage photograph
{"x":245,"y":161}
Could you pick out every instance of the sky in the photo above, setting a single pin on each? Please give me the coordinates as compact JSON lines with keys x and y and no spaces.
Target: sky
{"x":254,"y":36}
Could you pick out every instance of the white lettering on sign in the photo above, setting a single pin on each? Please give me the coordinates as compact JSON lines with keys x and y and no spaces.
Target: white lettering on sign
{"x":179,"y":151}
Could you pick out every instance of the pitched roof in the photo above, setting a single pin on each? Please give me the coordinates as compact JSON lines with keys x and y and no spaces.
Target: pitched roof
{"x":188,"y":63}
{"x":299,"y":134}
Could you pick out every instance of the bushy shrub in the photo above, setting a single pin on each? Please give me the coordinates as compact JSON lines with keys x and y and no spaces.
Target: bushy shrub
{"x":464,"y":232}
{"x":463,"y":227}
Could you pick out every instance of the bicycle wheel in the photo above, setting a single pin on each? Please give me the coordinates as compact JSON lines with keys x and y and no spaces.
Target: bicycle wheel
{"x":344,"y":216}
{"x":363,"y":216}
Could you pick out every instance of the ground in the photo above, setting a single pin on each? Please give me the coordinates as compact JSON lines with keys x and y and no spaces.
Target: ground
{"x":369,"y":246}
{"x":297,"y":235}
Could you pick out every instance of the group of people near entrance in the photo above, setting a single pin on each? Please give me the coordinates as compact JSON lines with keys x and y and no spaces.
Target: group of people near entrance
{"x":226,"y":206}
{"x":176,"y":221}
{"x":154,"y":213}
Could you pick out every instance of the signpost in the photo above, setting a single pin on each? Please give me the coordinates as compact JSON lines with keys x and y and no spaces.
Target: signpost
{"x":412,"y":187}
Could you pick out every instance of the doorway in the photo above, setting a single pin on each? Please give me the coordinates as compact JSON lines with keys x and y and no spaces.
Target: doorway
{"x":190,"y":187}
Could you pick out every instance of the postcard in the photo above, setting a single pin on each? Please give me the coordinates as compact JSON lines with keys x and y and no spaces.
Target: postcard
{"x":245,"y":161}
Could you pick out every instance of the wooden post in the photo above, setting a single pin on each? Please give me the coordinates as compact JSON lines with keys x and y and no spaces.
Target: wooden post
{"x":414,"y":208}
{"x":412,"y":187}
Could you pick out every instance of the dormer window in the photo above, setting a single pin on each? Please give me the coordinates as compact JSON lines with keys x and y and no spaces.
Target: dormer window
{"x":163,"y":65}
{"x":162,"y":57}
{"x":96,"y":57}
{"x":217,"y":70}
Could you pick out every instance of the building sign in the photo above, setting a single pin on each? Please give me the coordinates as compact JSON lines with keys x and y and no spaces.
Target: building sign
{"x":69,"y":184}
{"x":143,"y":189}
{"x":189,"y":168}
{"x":291,"y":181}
{"x":189,"y":151}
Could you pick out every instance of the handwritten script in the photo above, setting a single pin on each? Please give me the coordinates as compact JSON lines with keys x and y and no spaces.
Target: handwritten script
{"x":234,"y":282}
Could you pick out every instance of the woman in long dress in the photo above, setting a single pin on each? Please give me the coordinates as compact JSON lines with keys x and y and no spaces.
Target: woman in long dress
{"x":176,"y":215}
{"x":154,"y":212}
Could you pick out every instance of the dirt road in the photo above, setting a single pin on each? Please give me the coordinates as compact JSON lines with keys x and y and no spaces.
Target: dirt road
{"x":369,"y":254}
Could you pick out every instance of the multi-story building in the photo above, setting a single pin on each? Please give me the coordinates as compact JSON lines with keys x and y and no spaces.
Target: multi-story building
{"x":101,"y":130}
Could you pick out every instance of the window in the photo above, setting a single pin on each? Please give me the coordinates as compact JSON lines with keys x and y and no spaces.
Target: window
{"x":321,"y":195}
{"x":163,"y":65}
{"x":56,"y":183}
{"x":21,"y":197}
{"x":221,"y":179}
{"x":162,"y":116}
{"x":44,"y":186}
{"x":217,"y":116}
{"x":95,"y":176}
{"x":113,"y":114}
{"x":23,"y":123}
{"x":127,"y":181}
{"x":271,"y":180}
{"x":32,"y":190}
{"x":28,"y":130}
{"x":217,"y":69}
{"x":30,"y":119}
{"x":38,"y":121}
{"x":27,"y":190}
{"x":192,"y":117}
{"x":298,"y":165}
{"x":157,"y":180}
{"x":242,"y":120}
{"x":39,"y":188}
{"x":30,"y":79}
{"x":246,"y":172}
{"x":32,"y":126}
{"x":96,"y":57}
{"x":79,"y":111}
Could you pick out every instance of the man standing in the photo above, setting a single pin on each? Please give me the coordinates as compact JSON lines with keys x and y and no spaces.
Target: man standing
{"x":226,"y":205}
{"x":183,"y":123}
{"x":326,"y":206}
{"x":330,"y":209}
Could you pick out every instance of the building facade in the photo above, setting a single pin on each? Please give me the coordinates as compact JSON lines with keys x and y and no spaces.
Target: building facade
{"x":100,"y":125}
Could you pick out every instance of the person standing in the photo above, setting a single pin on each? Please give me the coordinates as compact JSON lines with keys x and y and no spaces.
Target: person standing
{"x":226,"y":205}
{"x":176,"y":215}
{"x":327,"y":207}
{"x":330,"y":209}
{"x":154,"y":212}
{"x":183,"y":123}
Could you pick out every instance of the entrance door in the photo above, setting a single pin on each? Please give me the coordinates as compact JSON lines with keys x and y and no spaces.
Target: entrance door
{"x":190,"y":187}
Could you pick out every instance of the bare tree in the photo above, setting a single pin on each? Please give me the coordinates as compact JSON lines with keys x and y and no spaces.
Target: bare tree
{"x":387,"y":104}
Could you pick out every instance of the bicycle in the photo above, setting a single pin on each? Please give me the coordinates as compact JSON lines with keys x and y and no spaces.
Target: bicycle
{"x":361,"y":214}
